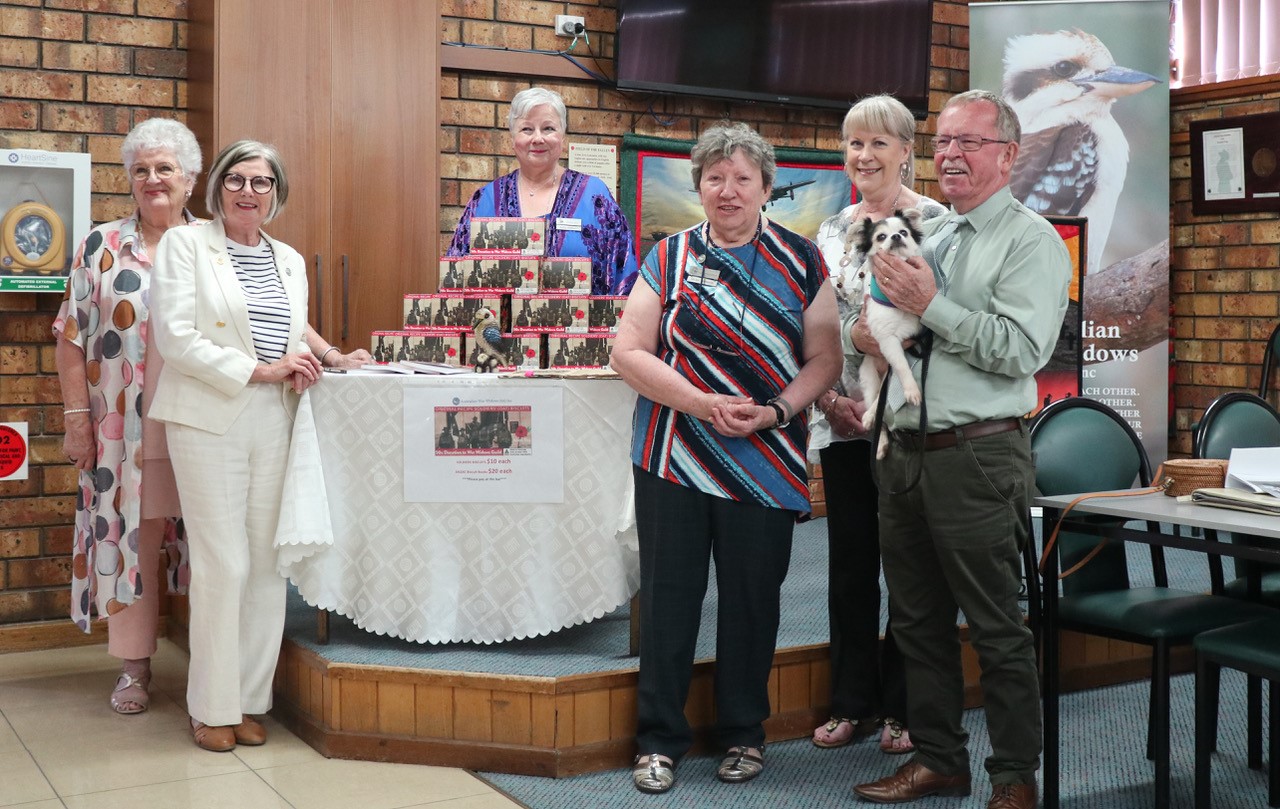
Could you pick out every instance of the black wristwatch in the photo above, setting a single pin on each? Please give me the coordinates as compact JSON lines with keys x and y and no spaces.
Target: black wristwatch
{"x":783,"y":421}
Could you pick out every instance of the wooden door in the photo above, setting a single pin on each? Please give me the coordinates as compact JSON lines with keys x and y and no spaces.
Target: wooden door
{"x":385,"y":187}
{"x":262,"y":69}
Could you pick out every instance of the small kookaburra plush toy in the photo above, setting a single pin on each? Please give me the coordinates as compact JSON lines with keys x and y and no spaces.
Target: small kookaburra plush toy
{"x":489,"y":354}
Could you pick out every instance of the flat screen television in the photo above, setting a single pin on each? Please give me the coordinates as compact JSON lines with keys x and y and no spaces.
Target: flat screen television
{"x":813,"y":53}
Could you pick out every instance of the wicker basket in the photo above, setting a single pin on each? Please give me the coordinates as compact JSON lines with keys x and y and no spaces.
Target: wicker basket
{"x":1189,"y":474}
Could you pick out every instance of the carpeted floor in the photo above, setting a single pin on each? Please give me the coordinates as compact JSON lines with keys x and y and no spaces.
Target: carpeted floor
{"x":1103,"y":765}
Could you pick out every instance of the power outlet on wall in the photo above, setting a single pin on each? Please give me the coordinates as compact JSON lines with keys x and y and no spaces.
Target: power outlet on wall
{"x":568,"y":25}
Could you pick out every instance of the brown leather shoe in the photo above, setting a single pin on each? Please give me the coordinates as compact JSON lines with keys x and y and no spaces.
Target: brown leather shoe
{"x":913,"y":781}
{"x":1012,"y":796}
{"x":250,"y":732}
{"x":214,"y":738}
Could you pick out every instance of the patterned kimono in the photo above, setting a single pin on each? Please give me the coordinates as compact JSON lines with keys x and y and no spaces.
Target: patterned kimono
{"x":604,"y":235}
{"x":104,"y":312}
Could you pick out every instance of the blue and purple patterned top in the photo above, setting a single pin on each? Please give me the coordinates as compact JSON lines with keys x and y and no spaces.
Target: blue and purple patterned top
{"x":605,"y":237}
{"x":732,"y":323}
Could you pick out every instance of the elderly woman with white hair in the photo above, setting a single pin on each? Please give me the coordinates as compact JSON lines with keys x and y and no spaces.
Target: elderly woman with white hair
{"x":581,"y":215}
{"x":231,"y":312}
{"x":126,"y":503}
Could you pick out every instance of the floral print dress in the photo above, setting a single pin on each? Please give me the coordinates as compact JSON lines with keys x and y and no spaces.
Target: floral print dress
{"x":104,"y":312}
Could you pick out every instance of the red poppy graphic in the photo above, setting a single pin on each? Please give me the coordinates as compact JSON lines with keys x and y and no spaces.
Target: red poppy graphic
{"x":529,"y":352}
{"x":528,"y":274}
{"x":579,"y":314}
{"x":582,"y":276}
{"x":453,"y":352}
{"x":535,"y":237}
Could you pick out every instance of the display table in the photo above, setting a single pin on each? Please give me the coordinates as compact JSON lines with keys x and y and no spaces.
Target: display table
{"x":1140,"y":508}
{"x":441,"y":572}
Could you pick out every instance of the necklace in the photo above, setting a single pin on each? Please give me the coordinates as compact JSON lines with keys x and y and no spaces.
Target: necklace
{"x":755,"y":237}
{"x":147,"y":243}
{"x":533,"y":190}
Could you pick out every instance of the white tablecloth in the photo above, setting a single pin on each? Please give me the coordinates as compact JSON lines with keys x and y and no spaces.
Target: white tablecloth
{"x":439,"y":572}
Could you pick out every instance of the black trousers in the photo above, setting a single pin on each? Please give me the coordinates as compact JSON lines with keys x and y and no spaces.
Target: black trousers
{"x":680,"y":531}
{"x":867,"y":679}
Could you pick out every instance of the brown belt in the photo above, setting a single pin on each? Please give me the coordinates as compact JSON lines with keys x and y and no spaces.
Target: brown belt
{"x":946,"y":439}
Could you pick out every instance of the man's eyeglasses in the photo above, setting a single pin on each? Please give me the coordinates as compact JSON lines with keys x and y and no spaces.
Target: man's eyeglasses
{"x":261,"y":184}
{"x":967,"y":143}
{"x":164,"y":171}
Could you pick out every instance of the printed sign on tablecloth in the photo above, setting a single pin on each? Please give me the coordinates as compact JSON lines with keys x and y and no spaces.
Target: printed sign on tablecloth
{"x":471,"y":444}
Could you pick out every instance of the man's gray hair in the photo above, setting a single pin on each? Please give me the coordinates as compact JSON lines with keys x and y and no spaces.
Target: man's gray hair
{"x":1007,"y":124}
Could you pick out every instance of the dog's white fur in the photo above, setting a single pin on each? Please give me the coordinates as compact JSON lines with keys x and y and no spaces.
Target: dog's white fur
{"x":889,"y":326}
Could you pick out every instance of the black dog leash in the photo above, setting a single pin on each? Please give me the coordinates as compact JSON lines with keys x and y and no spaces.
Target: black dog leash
{"x":926,"y":347}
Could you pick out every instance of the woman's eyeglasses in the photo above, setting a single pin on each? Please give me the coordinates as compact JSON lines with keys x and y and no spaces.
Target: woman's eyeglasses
{"x":164,"y":171}
{"x":261,"y":184}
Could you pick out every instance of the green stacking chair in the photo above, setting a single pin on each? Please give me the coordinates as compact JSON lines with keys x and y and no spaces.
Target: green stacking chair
{"x":1270,"y":356}
{"x":1239,"y":419}
{"x":1081,"y":446}
{"x":1253,"y":648}
{"x":1233,"y":421}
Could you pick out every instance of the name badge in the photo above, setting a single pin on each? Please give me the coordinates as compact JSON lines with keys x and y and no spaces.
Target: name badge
{"x":565,"y":223}
{"x":702,"y":275}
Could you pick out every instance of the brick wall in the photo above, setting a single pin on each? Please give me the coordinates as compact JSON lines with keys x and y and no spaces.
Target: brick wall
{"x":75,"y":76}
{"x":475,"y":146}
{"x":1226,"y":289}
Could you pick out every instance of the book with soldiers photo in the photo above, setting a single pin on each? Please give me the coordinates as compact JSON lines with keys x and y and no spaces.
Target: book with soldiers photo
{"x":566,"y":274}
{"x":508,"y":236}
{"x":605,"y":312}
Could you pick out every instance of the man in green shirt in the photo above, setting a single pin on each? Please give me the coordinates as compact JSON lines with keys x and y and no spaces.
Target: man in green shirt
{"x":993,"y":296}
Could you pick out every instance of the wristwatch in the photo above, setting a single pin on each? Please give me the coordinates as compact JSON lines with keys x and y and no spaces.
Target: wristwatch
{"x":781,"y":414}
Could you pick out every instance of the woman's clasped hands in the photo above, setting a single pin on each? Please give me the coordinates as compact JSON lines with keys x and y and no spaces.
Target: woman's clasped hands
{"x":300,"y":370}
{"x":738,"y":416}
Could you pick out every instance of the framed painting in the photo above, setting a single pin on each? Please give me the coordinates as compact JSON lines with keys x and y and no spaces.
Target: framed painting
{"x":1062,"y":378}
{"x":658,"y":196}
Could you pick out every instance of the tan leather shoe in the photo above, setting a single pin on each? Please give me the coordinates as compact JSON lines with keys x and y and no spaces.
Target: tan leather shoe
{"x":214,"y":738}
{"x":1012,"y":796}
{"x":250,"y":732}
{"x":913,"y":781}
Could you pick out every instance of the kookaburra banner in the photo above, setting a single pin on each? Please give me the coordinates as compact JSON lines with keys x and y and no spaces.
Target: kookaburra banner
{"x":1089,"y":81}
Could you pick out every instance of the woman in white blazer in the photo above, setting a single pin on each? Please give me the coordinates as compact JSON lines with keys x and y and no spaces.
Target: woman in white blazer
{"x":229,"y":315}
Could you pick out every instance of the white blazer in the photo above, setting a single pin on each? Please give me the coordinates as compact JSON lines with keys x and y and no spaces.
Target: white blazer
{"x":200,"y":324}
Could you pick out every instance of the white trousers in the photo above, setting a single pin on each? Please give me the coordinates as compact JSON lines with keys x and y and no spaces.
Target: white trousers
{"x":230,"y":486}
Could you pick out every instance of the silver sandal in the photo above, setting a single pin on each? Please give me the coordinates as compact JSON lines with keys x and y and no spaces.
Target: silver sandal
{"x":653,"y":773}
{"x":126,"y":701}
{"x":740,"y":765}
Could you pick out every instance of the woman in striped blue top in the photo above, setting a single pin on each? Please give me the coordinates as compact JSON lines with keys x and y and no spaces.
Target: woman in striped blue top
{"x":230,"y":304}
{"x":730,"y":334}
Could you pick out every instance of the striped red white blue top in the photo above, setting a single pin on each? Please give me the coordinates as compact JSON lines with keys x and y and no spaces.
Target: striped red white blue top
{"x":732,"y":323}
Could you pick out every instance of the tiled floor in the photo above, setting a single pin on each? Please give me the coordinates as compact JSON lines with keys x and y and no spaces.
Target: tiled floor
{"x":61,"y":745}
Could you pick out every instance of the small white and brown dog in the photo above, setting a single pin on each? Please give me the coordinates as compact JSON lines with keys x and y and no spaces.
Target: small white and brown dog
{"x":898,"y":234}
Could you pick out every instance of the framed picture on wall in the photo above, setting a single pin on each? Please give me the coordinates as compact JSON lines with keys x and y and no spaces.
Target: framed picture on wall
{"x":659,"y":198}
{"x":1235,"y":164}
{"x":1062,"y":377}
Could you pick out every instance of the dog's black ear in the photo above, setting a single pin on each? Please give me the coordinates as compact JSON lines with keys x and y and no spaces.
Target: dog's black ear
{"x":912,"y":217}
{"x":865,"y":230}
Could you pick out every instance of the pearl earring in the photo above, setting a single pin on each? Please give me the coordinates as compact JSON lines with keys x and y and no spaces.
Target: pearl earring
{"x":904,"y":171}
